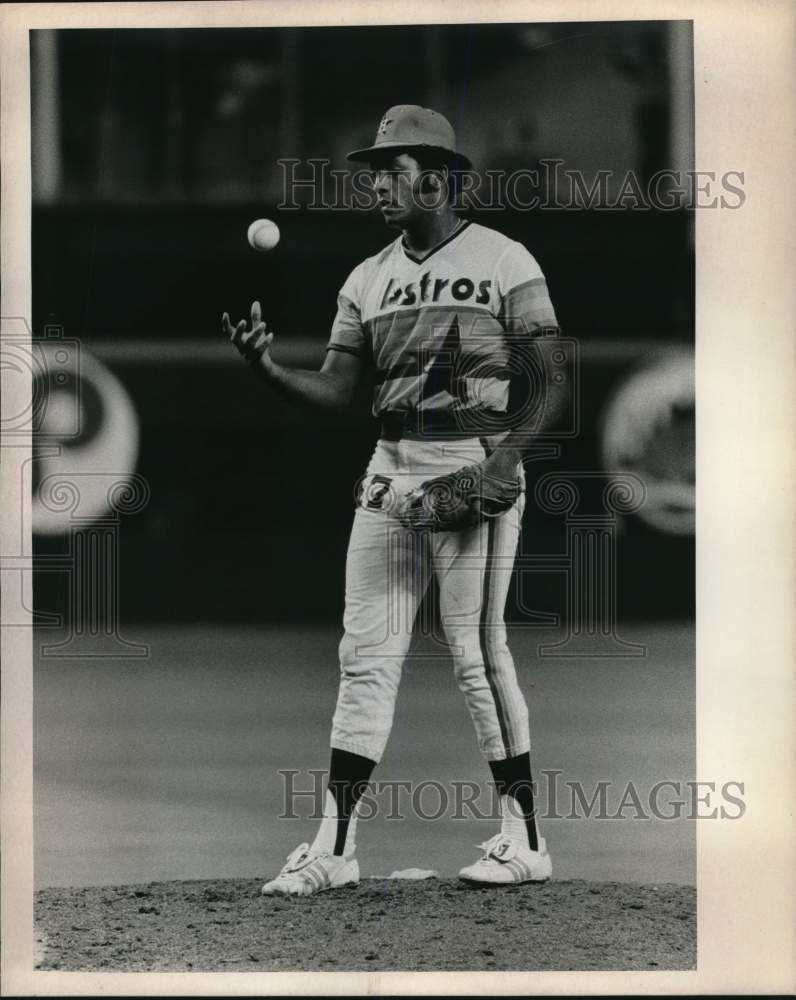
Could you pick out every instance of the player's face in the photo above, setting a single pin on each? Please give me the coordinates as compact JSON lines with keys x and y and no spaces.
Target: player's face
{"x":395,"y":181}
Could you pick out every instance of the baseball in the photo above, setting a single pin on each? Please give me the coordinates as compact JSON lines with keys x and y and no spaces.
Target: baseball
{"x":263,"y":234}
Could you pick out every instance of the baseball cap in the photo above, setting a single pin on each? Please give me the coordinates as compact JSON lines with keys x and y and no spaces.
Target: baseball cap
{"x":407,"y":125}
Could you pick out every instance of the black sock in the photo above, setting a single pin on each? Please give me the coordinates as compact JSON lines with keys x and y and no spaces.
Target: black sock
{"x":513,"y":777}
{"x":348,"y":779}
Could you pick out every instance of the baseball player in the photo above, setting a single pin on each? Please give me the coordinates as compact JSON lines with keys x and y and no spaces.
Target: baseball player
{"x":438,"y":320}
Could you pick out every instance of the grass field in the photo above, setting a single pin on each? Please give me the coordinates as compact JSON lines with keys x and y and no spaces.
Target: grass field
{"x":167,"y":768}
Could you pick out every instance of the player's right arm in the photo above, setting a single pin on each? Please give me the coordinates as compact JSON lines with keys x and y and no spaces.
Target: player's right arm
{"x":331,"y":388}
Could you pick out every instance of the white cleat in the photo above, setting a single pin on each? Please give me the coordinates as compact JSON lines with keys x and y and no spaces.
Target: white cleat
{"x":307,"y":872}
{"x":504,"y":863}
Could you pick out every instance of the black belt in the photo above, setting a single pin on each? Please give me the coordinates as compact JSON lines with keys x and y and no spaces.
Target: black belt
{"x":436,"y":425}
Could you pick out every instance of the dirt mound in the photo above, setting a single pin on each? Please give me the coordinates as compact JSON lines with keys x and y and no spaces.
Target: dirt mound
{"x":381,"y":924}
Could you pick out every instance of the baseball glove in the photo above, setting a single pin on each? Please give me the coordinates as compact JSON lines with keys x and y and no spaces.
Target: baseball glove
{"x":458,"y":500}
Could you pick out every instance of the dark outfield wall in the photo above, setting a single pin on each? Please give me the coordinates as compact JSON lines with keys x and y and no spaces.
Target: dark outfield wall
{"x":150,"y":272}
{"x":252,"y":501}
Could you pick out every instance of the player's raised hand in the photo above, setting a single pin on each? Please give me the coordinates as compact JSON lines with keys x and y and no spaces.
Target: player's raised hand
{"x":253,"y":344}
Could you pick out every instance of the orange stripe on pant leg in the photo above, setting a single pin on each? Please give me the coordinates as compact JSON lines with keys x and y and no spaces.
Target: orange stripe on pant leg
{"x":483,"y":625}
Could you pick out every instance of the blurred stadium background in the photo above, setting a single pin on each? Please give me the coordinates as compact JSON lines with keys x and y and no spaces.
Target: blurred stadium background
{"x":152,"y":151}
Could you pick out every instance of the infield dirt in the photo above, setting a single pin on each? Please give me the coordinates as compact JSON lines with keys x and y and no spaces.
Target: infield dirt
{"x":381,"y":924}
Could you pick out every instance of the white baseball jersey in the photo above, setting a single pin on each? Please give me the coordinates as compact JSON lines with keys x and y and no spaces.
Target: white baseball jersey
{"x":435,"y":329}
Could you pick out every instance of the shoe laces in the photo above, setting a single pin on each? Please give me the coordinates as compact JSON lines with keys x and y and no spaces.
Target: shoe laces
{"x":300,"y":858}
{"x":490,"y":847}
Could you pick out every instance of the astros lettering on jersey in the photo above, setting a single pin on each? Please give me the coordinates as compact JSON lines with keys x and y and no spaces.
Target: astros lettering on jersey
{"x":435,"y":328}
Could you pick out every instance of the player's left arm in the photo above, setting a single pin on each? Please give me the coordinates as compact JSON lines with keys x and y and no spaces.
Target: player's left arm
{"x":533,"y":336}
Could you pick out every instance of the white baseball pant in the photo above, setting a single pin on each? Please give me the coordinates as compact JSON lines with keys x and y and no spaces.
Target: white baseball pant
{"x":388,"y":570}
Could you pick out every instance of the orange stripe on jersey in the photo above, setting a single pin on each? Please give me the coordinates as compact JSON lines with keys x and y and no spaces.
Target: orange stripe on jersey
{"x":528,"y":306}
{"x":407,"y":330}
{"x":436,"y":348}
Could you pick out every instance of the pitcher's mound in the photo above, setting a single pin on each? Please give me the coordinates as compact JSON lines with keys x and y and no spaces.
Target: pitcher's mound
{"x":381,"y":924}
